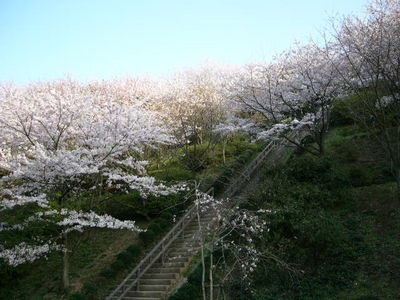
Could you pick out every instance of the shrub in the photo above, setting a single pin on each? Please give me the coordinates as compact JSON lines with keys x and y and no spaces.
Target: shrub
{"x":309,"y":169}
{"x":117,"y":265}
{"x":147,"y":236}
{"x":162,"y":223}
{"x":238,"y":290}
{"x":108,"y":273}
{"x":186,"y":291}
{"x":135,"y":250}
{"x":90,"y":289}
{"x":172,"y":174}
{"x":156,"y":228}
{"x":125,"y":257}
{"x":166,"y":216}
{"x":77,"y":296}
{"x":340,"y":114}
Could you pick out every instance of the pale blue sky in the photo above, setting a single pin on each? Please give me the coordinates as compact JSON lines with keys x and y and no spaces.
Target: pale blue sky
{"x":93,"y":39}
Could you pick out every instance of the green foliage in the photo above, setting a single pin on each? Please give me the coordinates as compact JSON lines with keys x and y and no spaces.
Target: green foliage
{"x":340,"y":114}
{"x":118,"y":265}
{"x":172,"y":174}
{"x":192,"y":288}
{"x":229,"y":170}
{"x":131,"y":206}
{"x":89,"y":289}
{"x":237,"y":289}
{"x":197,"y":157}
{"x":135,"y":250}
{"x":186,"y":291}
{"x":108,"y":272}
{"x":156,"y":228}
{"x":125,"y":257}
{"x":77,"y":296}
{"x":147,"y":237}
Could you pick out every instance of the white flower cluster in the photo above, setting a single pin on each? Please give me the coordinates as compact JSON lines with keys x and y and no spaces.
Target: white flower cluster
{"x":23,"y":253}
{"x":78,"y":220}
{"x":386,"y":101}
{"x":19,"y":200}
{"x":280,"y":129}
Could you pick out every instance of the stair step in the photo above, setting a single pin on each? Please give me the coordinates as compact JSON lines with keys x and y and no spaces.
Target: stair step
{"x":181,"y":253}
{"x":169,"y":264}
{"x":145,"y":294}
{"x":177,"y":248}
{"x":177,"y":259}
{"x":159,"y":276}
{"x":155,"y":281}
{"x":163,"y":270}
{"x":140,"y":298}
{"x":153,"y":287}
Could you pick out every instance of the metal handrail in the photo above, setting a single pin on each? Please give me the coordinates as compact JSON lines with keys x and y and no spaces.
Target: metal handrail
{"x":152,"y":256}
{"x":246,"y":174}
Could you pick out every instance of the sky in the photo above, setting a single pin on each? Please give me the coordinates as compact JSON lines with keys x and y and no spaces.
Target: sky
{"x":100,"y":39}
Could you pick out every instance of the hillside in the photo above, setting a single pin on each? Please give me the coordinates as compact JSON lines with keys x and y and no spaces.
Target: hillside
{"x":335,"y":231}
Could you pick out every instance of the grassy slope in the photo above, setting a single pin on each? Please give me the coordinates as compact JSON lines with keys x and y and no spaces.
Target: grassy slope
{"x":337,"y":224}
{"x":367,"y":263}
{"x":92,"y":251}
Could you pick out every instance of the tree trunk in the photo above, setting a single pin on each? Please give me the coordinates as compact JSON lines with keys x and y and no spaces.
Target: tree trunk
{"x":398,"y":184}
{"x":65,"y":263}
{"x":321,"y":146}
{"x":211,"y":276}
{"x":203,"y":275}
{"x":223,"y":150}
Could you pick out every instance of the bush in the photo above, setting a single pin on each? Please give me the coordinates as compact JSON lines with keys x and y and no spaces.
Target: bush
{"x":162,"y":223}
{"x":118,"y":265}
{"x":186,"y":291}
{"x":166,"y":216}
{"x":309,"y":169}
{"x":238,"y":290}
{"x":135,"y":250}
{"x":89,"y":289}
{"x":108,"y":273}
{"x":156,"y":228}
{"x":172,"y":174}
{"x":125,"y":257}
{"x":77,"y":296}
{"x":147,"y":237}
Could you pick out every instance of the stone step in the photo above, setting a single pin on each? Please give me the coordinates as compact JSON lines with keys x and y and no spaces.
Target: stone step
{"x":184,"y":244}
{"x":155,"y":281}
{"x":169,"y":264}
{"x":153,"y":287}
{"x":181,"y":253}
{"x":160,"y":276}
{"x":148,"y":294}
{"x":191,"y":236}
{"x":190,"y":248}
{"x":140,"y":298}
{"x":163,"y":270}
{"x":176,"y":259}
{"x":192,"y":232}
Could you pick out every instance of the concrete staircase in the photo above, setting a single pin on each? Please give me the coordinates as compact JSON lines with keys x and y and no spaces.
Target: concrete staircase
{"x":161,"y":269}
{"x":162,"y":276}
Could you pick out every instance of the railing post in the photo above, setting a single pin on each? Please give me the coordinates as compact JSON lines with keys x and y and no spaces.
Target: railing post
{"x":137,"y":281}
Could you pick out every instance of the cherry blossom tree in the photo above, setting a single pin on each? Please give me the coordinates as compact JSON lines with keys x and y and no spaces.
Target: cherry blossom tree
{"x":369,"y":66}
{"x":231,"y":126}
{"x":235,"y":232}
{"x":293,"y":92}
{"x":193,"y":105}
{"x":60,"y":143}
